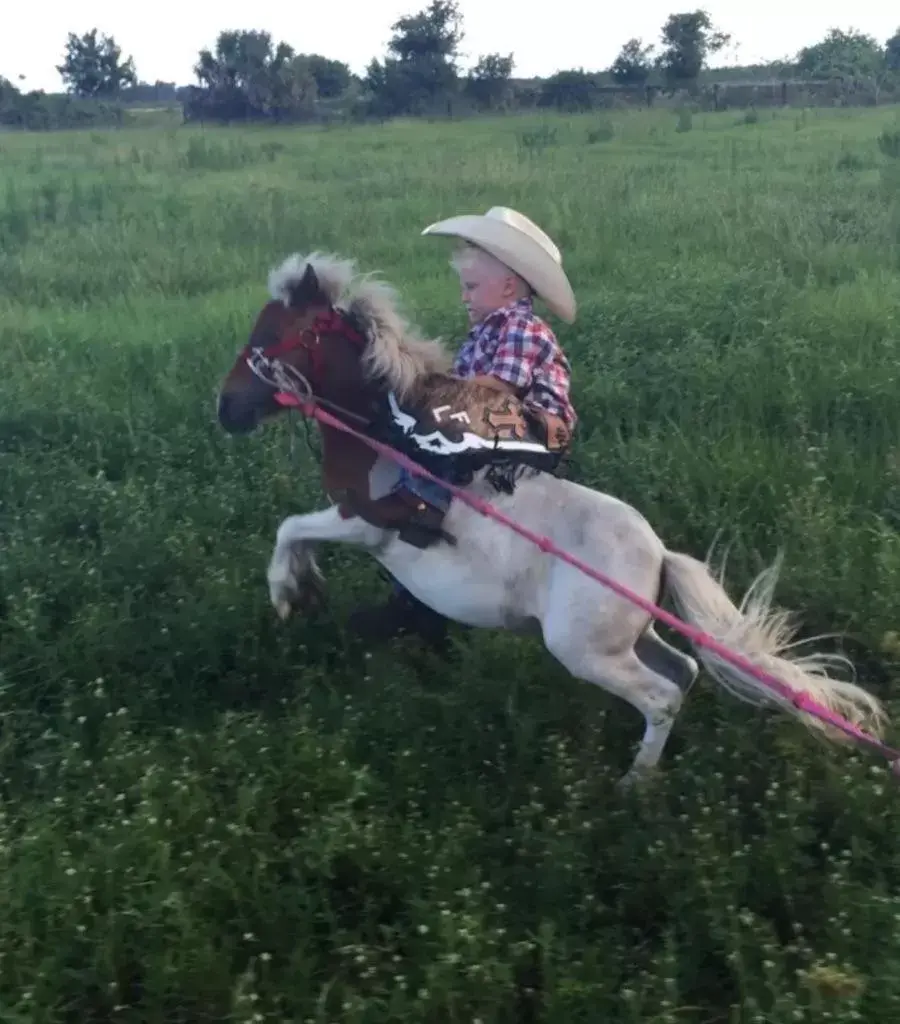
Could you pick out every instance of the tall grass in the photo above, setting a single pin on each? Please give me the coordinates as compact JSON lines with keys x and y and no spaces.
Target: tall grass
{"x":207,"y":816}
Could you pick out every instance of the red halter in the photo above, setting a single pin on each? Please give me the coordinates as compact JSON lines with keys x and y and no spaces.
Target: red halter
{"x":292,"y":388}
{"x":309,"y":339}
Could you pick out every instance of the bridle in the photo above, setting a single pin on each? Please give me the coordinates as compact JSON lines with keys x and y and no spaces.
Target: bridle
{"x":290,"y":385}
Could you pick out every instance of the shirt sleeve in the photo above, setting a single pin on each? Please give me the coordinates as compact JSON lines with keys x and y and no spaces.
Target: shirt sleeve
{"x":522,"y":346}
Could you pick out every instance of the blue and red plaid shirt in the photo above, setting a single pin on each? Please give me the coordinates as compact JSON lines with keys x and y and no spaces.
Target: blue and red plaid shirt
{"x":516,"y":346}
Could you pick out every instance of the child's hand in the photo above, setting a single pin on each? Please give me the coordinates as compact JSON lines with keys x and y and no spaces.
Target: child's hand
{"x":487,"y":381}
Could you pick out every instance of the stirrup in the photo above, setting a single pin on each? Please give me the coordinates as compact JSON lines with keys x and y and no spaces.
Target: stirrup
{"x":422,"y":536}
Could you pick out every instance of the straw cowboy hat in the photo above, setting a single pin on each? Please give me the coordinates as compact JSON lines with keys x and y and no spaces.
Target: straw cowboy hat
{"x":521,"y":245}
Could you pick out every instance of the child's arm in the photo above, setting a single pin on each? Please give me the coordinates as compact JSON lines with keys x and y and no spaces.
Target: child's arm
{"x":524,"y":345}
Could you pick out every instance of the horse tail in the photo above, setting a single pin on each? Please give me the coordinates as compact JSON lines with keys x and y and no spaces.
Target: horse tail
{"x":766,"y":638}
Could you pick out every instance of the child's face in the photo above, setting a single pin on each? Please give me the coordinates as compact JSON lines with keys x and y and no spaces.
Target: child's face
{"x":484,"y":289}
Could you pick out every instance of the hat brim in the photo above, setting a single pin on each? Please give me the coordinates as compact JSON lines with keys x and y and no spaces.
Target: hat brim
{"x":518,"y":252}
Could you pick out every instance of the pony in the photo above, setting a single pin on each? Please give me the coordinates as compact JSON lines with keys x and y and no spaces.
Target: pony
{"x":338,"y":337}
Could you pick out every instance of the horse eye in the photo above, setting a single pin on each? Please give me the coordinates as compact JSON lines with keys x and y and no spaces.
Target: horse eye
{"x":264,"y":336}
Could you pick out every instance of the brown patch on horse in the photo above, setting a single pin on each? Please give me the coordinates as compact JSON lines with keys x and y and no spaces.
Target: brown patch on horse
{"x":416,"y":522}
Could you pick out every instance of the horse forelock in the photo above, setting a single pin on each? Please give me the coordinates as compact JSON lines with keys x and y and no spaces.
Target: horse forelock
{"x":334,"y":274}
{"x":395,"y":352}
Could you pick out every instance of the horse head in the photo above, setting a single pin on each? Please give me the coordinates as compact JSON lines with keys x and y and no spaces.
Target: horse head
{"x":327,"y":333}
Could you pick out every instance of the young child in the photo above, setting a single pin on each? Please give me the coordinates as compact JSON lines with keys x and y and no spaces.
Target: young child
{"x":505,"y":261}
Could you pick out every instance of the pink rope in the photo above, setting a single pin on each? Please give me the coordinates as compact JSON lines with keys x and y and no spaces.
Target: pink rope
{"x":800,"y":700}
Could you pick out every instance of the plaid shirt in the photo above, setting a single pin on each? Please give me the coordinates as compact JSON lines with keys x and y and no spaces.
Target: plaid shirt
{"x":516,"y":346}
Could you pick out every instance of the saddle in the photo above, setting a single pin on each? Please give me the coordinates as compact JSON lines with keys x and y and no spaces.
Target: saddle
{"x":455,"y":428}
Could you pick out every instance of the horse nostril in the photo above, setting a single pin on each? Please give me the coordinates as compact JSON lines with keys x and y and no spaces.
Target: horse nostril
{"x":236,"y":416}
{"x":228,"y":412}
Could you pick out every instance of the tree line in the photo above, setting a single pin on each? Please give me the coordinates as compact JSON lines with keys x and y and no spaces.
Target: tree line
{"x":247,"y":76}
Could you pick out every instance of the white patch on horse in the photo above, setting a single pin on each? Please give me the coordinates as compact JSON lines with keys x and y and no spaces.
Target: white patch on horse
{"x":495,"y":578}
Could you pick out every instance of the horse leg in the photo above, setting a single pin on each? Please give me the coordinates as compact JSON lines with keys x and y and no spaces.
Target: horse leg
{"x":657,"y":698}
{"x":667,"y":660}
{"x":601,"y":649}
{"x":293,"y":576}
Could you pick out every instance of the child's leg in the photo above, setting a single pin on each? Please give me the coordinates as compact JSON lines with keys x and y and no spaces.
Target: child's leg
{"x":436,"y":495}
{"x":403,"y":613}
{"x":399,"y":615}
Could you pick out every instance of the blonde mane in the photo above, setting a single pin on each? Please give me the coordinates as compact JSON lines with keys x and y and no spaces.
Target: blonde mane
{"x":396,"y":352}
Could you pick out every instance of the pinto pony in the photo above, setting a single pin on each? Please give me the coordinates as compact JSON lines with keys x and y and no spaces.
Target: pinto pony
{"x":339,"y":339}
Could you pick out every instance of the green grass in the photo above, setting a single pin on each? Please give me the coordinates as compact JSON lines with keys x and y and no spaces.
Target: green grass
{"x":207,"y":816}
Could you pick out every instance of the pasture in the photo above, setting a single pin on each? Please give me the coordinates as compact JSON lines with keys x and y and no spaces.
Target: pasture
{"x":210,"y":816}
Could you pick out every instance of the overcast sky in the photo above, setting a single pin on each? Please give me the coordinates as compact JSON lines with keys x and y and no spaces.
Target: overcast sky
{"x":164,"y":36}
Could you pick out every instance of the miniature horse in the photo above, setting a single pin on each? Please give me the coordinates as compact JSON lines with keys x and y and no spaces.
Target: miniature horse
{"x":341,"y":338}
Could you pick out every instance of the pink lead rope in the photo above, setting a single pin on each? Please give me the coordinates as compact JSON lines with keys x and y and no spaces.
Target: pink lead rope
{"x":800,"y":700}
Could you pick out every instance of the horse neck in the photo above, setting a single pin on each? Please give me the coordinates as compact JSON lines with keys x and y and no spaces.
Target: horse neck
{"x":346,"y":461}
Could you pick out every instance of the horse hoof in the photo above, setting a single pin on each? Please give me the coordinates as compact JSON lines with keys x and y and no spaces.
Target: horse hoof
{"x":304,"y":597}
{"x":283,"y":609}
{"x":636,"y":778}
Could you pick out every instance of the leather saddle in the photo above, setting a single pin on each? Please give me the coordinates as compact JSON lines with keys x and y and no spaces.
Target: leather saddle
{"x":455,"y":429}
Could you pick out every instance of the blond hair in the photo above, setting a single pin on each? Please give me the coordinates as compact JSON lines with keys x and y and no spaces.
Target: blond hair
{"x":470,"y":255}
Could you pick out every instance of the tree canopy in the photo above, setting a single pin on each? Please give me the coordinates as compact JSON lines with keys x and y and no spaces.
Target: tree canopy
{"x":247,"y":75}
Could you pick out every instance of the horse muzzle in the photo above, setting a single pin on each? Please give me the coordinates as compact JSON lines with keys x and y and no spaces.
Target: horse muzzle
{"x":236,"y":415}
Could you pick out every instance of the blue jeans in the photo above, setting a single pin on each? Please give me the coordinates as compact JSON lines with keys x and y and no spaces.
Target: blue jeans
{"x":428,"y":491}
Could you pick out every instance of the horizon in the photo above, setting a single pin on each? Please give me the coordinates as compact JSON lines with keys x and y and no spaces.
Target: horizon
{"x":758,"y":36}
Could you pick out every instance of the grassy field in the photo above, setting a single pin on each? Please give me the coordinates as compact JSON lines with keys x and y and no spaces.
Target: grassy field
{"x":207,"y":816}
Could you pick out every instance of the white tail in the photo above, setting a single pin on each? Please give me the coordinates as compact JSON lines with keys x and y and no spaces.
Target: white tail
{"x":765,"y":638}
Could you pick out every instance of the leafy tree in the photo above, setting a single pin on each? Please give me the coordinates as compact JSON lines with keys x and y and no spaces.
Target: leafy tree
{"x":843,"y":54}
{"x":7,"y":90}
{"x":10,"y":101}
{"x":94,"y":67}
{"x":332,"y":77}
{"x":892,"y":52}
{"x":689,"y":40}
{"x":388,"y":88}
{"x":249,"y":78}
{"x":854,"y":57}
{"x":434,"y":32}
{"x":421,"y":69}
{"x":488,"y":83}
{"x":36,"y":111}
{"x":571,"y":90}
{"x":633,"y":65}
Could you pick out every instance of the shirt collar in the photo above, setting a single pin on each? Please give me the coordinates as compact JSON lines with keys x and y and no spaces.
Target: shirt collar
{"x":519,"y":306}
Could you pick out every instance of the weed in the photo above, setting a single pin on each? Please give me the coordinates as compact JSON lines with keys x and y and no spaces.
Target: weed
{"x":534,"y":141}
{"x":602,"y":132}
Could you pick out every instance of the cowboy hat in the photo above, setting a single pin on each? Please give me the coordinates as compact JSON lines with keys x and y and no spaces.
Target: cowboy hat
{"x":521,"y":245}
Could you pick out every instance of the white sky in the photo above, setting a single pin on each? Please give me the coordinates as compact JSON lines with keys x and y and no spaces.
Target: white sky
{"x":165,"y":36}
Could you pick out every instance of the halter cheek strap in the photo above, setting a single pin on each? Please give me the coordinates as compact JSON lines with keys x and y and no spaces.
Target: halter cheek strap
{"x":292,"y":388}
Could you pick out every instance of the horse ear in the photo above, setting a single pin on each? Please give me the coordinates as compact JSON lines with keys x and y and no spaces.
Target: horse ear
{"x":307,"y":291}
